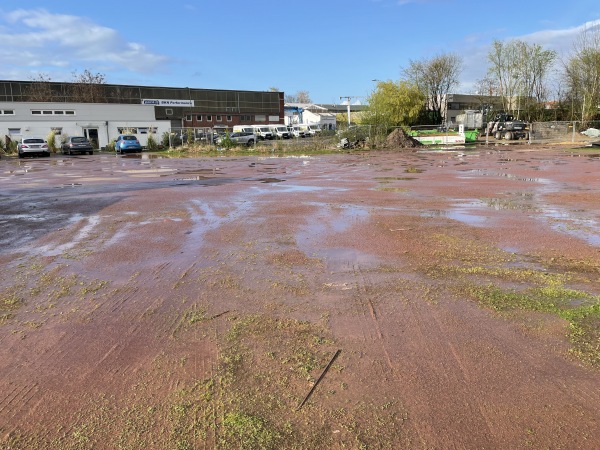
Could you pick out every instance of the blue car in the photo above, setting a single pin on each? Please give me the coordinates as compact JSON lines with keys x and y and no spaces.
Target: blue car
{"x":127,"y":143}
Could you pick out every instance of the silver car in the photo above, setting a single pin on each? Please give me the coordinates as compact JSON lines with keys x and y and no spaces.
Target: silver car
{"x":240,"y":137}
{"x":33,"y":146}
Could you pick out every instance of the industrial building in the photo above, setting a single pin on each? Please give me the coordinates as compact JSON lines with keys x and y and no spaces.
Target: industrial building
{"x":103,"y":111}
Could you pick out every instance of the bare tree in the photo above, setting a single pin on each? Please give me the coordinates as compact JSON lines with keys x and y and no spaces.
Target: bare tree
{"x":520,"y":70}
{"x":486,"y":93}
{"x":88,"y":87}
{"x":582,"y":75}
{"x":435,"y":78}
{"x":40,"y":89}
{"x":299,"y":97}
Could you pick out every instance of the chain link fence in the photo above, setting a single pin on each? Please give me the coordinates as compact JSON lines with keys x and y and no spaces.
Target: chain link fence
{"x":581,"y":133}
{"x":373,"y":136}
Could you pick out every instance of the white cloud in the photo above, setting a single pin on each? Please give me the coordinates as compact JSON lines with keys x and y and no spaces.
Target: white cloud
{"x":559,"y":40}
{"x":38,"y":39}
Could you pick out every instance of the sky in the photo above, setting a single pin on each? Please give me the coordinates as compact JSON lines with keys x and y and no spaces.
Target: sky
{"x":333,"y":49}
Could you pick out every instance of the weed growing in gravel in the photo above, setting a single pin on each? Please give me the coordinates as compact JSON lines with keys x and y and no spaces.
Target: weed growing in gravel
{"x":580,"y":309}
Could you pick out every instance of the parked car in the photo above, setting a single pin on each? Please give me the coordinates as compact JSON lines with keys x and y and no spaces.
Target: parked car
{"x":127,"y":143}
{"x":77,"y":144}
{"x":32,"y":146}
{"x":241,"y":137}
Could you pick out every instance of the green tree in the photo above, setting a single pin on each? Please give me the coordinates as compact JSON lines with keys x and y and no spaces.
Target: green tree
{"x":394,"y":104}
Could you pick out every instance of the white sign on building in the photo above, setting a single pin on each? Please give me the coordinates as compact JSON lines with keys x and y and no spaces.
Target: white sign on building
{"x":161,"y":102}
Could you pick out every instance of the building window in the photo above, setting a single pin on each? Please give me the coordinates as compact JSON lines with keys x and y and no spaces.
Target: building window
{"x":127,"y":130}
{"x":188,"y":117}
{"x":209,"y":118}
{"x":70,"y":113}
{"x":36,"y":112}
{"x":199,"y":118}
{"x":7,"y":112}
{"x":246,"y":118}
{"x":46,"y":112}
{"x":261,"y":118}
{"x":219,"y":118}
{"x":229,"y":118}
{"x":59,"y":112}
{"x":169,"y":112}
{"x":14,"y":131}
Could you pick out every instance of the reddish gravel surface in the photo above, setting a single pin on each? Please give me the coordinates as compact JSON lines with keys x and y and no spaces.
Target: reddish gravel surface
{"x":128,"y":283}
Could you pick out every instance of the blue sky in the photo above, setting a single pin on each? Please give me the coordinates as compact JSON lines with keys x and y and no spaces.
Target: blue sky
{"x":330,"y":48}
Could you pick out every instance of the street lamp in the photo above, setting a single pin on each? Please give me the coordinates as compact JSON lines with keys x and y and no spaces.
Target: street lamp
{"x":375,"y":80}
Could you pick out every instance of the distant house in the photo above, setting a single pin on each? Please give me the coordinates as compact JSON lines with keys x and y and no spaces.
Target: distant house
{"x":321,"y":114}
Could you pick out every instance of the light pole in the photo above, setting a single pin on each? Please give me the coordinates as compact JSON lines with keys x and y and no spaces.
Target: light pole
{"x":375,"y":80}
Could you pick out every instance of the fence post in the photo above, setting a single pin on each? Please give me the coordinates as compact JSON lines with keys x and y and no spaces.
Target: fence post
{"x":573,"y":136}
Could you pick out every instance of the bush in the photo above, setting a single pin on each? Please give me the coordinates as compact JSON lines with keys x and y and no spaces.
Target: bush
{"x":227,"y":142}
{"x":110,"y":147}
{"x":165,"y":139}
{"x":51,"y":139}
{"x":152,"y":145}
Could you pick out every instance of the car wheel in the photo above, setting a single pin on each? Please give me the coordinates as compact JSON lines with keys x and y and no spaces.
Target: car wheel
{"x":250,"y":142}
{"x":91,"y":152}
{"x":20,"y":155}
{"x":70,"y":152}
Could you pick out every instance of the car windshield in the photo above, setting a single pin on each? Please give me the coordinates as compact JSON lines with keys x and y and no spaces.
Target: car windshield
{"x":78,"y":139}
{"x":33,"y":141}
{"x":129,"y":138}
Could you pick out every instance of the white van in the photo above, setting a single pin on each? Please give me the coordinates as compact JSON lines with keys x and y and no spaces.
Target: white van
{"x":314,"y":129}
{"x":310,"y":129}
{"x":263,"y":132}
{"x":243,"y":129}
{"x":280,"y":131}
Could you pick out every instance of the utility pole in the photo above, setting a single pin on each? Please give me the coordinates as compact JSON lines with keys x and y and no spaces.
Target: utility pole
{"x":348,"y":98}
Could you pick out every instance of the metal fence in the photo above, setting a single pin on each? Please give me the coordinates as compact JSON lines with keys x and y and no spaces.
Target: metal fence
{"x":564,"y":132}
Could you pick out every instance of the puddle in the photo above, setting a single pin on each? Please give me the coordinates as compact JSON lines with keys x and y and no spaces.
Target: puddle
{"x":461,"y":212}
{"x":583,"y":228}
{"x":346,"y":259}
{"x":270,"y":180}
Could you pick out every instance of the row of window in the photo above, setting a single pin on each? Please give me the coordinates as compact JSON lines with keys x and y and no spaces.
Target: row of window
{"x":219,"y":118}
{"x":208,"y":118}
{"x":50,"y":112}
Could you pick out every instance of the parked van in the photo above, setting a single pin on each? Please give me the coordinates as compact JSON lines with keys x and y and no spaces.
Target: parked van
{"x":280,"y":131}
{"x":298,"y":131}
{"x":263,"y":132}
{"x":310,"y":129}
{"x":314,"y":129}
{"x":243,"y":129}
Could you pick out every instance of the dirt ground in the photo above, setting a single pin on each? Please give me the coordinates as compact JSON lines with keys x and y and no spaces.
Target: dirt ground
{"x":193,"y":303}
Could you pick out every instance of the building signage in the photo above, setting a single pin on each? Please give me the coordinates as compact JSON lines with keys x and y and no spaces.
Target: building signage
{"x":161,"y":102}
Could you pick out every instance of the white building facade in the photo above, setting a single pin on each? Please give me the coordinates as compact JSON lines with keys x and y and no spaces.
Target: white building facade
{"x":20,"y":119}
